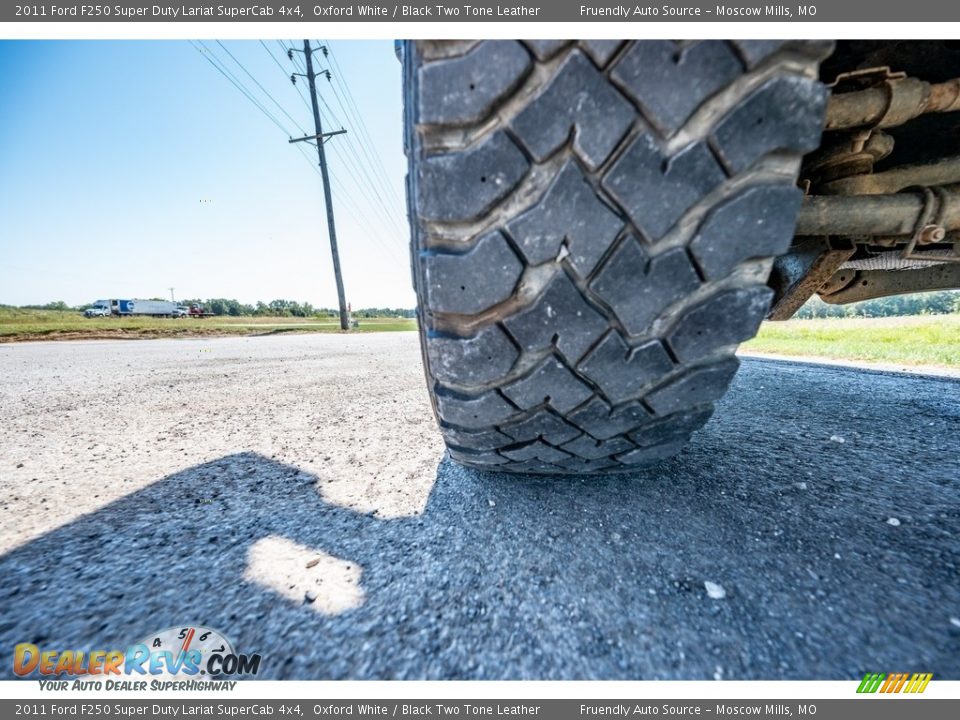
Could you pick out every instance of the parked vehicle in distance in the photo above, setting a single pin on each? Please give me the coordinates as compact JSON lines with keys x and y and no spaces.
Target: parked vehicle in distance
{"x":100,"y":308}
{"x":129,"y":308}
{"x":194,"y":310}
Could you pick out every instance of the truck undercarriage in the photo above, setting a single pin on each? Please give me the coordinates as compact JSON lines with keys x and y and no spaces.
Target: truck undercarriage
{"x":881,"y":211}
{"x":597,"y":224}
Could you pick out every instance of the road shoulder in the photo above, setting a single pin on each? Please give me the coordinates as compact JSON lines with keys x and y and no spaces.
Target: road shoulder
{"x":930,"y":370}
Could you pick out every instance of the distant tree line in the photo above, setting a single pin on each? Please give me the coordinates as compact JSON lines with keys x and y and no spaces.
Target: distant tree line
{"x":235,"y":308}
{"x":58,"y":305}
{"x":290,"y":308}
{"x":931,"y":303}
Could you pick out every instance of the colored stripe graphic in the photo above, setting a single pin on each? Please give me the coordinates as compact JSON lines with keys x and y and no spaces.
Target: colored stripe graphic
{"x":900,"y":682}
{"x":894,"y":683}
{"x":870,"y":683}
{"x":918,"y":683}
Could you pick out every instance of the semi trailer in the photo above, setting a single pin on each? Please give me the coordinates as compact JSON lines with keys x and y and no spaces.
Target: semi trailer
{"x":127,"y":308}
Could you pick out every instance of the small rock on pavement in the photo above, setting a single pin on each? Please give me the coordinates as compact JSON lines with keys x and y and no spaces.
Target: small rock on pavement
{"x":893,"y":521}
{"x":313,"y":563}
{"x":837,"y":439}
{"x":714,"y":590}
{"x":310,"y":595}
{"x":491,"y":503}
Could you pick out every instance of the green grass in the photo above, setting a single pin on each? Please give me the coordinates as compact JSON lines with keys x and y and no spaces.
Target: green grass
{"x":18,"y":324}
{"x":916,"y":340}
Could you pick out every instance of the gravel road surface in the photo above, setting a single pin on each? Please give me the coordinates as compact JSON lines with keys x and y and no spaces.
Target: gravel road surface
{"x":292,"y":492}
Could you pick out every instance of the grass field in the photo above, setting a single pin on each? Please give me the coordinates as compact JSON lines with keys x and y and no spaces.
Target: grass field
{"x":18,"y":325}
{"x":916,"y":340}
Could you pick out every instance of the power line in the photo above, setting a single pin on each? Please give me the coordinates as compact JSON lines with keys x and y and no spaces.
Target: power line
{"x":284,"y":70}
{"x":357,"y":122}
{"x":354,"y":161}
{"x":360,"y":218}
{"x":206,"y":53}
{"x":342,"y":78}
{"x":358,"y":172}
{"x":321,"y":138}
{"x":265,"y":91}
{"x":373,"y":185}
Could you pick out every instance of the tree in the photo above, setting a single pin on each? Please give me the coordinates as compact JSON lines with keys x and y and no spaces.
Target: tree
{"x":292,"y":308}
{"x":931,"y":303}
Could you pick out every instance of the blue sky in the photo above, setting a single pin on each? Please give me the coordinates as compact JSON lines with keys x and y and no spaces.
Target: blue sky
{"x":130,"y":167}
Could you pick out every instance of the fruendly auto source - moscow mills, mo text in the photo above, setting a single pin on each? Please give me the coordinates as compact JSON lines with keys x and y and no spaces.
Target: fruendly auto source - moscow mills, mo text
{"x":408,"y":11}
{"x":627,"y":12}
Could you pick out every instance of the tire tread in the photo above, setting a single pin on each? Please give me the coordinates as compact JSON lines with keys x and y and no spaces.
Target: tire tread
{"x":591,"y":233}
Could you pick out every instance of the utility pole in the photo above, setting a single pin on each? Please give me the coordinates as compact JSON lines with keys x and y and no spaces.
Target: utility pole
{"x":321,"y":138}
{"x":171,"y":294}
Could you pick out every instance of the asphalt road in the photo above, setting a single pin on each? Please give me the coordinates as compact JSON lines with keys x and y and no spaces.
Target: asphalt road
{"x":821,"y":505}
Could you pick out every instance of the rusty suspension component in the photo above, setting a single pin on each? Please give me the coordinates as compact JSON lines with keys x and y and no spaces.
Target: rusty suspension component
{"x":945,"y":171}
{"x":892,"y":101}
{"x":879,"y":215}
{"x":915,"y":208}
{"x":868,"y":284}
{"x":800,"y":273}
{"x":827,"y":227}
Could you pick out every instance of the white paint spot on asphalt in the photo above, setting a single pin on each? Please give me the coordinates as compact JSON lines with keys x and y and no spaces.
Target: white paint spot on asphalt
{"x":715,"y":591}
{"x":893,"y":521}
{"x":330,"y":585}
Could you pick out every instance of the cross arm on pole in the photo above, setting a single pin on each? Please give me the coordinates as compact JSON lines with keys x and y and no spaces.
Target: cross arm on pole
{"x":321,"y":136}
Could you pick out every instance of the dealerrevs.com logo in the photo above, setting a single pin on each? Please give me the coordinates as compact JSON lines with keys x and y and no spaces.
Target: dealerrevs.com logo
{"x":166,"y":659}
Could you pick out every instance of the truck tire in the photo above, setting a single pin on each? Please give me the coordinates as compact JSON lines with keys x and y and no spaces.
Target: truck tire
{"x":593,"y":224}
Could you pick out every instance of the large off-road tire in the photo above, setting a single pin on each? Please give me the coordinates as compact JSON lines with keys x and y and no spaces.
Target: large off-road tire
{"x":593,"y":227}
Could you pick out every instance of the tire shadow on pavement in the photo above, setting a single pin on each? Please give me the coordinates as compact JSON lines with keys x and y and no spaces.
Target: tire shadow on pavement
{"x":751,"y":555}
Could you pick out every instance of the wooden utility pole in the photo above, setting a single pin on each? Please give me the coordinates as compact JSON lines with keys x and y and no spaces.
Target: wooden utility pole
{"x":320,"y":138}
